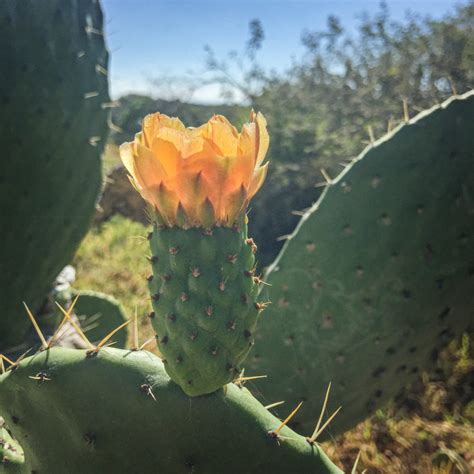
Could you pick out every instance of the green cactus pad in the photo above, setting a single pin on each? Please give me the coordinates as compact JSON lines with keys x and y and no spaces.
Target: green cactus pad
{"x":379,"y":274}
{"x":53,"y":116}
{"x":11,"y":454}
{"x":119,"y":412}
{"x":204,"y":296}
{"x":100,"y":314}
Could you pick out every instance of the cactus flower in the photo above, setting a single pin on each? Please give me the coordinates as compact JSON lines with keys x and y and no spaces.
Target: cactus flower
{"x":200,"y":176}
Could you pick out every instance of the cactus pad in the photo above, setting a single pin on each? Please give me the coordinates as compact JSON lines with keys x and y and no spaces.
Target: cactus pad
{"x":53,"y":117}
{"x":119,"y":412}
{"x":379,"y":273}
{"x":204,"y":296}
{"x":11,"y":455}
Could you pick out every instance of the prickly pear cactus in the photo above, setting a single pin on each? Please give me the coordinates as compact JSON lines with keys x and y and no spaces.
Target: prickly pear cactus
{"x":53,"y":117}
{"x":204,"y":298}
{"x":198,"y":183}
{"x":130,"y":417}
{"x":379,"y":274}
{"x":11,"y":455}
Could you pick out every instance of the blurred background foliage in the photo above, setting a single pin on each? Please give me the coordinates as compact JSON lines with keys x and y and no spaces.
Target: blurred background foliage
{"x":348,"y":88}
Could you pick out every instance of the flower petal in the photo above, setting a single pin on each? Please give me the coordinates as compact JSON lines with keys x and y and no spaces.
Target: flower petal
{"x":257,"y":180}
{"x":222,"y":135}
{"x":187,"y":172}
{"x":263,"y":138}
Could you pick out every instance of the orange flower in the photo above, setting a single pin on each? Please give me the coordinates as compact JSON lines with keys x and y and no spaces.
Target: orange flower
{"x":197,"y":176}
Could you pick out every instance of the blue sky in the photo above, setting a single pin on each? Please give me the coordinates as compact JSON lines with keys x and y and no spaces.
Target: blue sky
{"x":166,"y":38}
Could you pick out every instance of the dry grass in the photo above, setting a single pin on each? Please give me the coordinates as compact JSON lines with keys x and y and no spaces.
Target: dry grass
{"x":112,"y":259}
{"x":427,"y":430}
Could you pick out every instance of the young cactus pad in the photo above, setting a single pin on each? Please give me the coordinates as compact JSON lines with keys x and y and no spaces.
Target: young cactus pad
{"x":198,"y":183}
{"x":378,"y":274}
{"x":119,"y":412}
{"x":11,"y":455}
{"x":53,"y":116}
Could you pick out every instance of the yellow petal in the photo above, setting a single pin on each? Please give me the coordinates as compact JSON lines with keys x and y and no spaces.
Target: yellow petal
{"x":152,"y":123}
{"x":222,"y":136}
{"x":257,"y":180}
{"x":148,"y":168}
{"x":126,"y":155}
{"x":166,"y":153}
{"x":262,"y":138}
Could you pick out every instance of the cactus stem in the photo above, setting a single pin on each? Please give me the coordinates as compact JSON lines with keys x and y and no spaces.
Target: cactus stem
{"x":44,"y":344}
{"x":273,"y":405}
{"x":356,"y":462}
{"x":315,"y":435}
{"x":274,"y":433}
{"x":75,"y":326}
